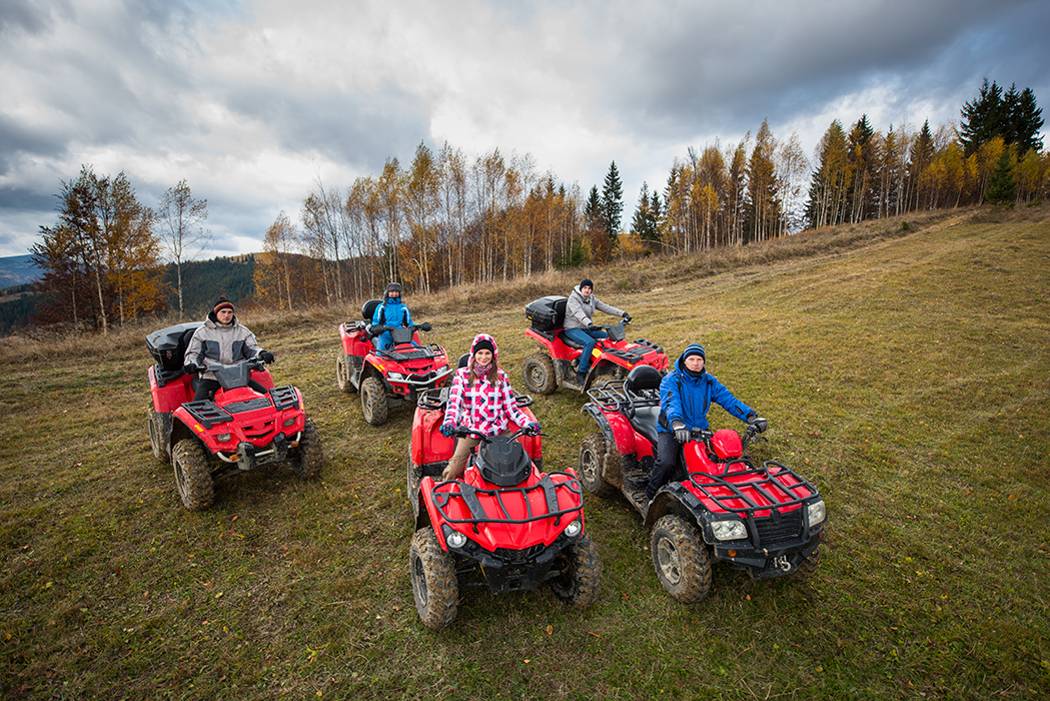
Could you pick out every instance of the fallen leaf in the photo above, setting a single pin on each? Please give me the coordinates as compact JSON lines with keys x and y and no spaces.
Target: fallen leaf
{"x":550,"y":630}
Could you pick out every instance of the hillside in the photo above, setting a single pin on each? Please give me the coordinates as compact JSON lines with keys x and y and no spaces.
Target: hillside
{"x":18,"y":270}
{"x":902,"y":367}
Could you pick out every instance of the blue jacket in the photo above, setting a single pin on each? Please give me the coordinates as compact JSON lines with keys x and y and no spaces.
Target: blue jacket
{"x":393,"y":312}
{"x":686,"y":398}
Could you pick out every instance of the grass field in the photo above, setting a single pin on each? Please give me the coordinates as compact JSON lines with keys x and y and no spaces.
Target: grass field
{"x":903,"y":368}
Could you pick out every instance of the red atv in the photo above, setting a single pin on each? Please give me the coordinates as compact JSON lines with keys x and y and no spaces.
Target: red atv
{"x":766,"y":520}
{"x":249,"y":422}
{"x":392,"y":376}
{"x":556,"y":363}
{"x":505,"y":525}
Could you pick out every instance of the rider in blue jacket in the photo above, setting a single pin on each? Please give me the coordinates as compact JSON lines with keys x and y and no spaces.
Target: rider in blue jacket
{"x":685,"y":396}
{"x":392,"y":312}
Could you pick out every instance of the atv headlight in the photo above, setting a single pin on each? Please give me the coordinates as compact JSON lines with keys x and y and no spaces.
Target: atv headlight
{"x":396,"y":376}
{"x":222,"y":437}
{"x":816,"y":513}
{"x":573,"y":529}
{"x":289,"y":421}
{"x":728,"y":530}
{"x":455,"y":539}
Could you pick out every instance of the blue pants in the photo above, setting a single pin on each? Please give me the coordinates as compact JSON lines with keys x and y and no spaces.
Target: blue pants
{"x":383,"y":341}
{"x":587,"y":339}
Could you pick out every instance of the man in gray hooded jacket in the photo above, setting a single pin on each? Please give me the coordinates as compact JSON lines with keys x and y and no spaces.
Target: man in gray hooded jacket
{"x":222,"y":339}
{"x":579,"y":322}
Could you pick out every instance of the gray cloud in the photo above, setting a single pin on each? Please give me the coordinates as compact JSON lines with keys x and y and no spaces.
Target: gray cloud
{"x":252,"y":101}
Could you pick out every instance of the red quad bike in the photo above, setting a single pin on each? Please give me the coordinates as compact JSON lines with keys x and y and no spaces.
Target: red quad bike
{"x":391,"y":377}
{"x":766,"y":520}
{"x":506,"y":525}
{"x":555,"y":364}
{"x":249,"y":423}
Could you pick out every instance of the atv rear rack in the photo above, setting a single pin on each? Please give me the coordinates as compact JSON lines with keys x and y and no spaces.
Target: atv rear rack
{"x":706,"y":483}
{"x":469,"y":494}
{"x":612,"y":395}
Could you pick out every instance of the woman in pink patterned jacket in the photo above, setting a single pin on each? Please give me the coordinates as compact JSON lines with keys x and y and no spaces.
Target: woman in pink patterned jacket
{"x":481,"y":399}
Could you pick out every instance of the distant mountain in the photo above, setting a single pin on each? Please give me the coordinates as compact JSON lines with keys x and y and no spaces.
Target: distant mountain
{"x":18,"y":270}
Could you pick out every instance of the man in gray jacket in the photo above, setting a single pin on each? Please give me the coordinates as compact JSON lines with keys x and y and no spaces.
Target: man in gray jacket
{"x":223,"y":340}
{"x":579,"y":322}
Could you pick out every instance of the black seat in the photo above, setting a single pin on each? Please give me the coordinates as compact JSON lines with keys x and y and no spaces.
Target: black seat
{"x":642,"y":388}
{"x":503,"y":461}
{"x":368,"y":309}
{"x":569,"y":342}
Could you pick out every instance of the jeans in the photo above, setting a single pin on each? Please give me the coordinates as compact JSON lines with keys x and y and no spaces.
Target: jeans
{"x":588,"y":339}
{"x":668,"y":453}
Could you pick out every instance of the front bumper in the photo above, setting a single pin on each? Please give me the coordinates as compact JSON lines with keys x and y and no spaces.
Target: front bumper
{"x":248,"y":456}
{"x":509,"y":570}
{"x":767,"y":563}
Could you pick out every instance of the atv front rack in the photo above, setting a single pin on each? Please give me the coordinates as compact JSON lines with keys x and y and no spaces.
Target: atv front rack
{"x":469,"y":494}
{"x":765,"y":484}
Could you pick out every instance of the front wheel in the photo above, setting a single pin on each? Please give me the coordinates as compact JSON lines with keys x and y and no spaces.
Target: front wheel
{"x":373,"y":401}
{"x":680,"y":558}
{"x":580,"y":575}
{"x":434,"y":584}
{"x":309,"y":457}
{"x":539,"y":374}
{"x":192,"y":474}
{"x":592,"y":462}
{"x":808,"y":566}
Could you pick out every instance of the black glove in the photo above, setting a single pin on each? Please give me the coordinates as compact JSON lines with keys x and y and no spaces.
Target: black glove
{"x":626,"y":318}
{"x":376,"y":330}
{"x":757,"y":422}
{"x":190,"y":369}
{"x":681,"y":433}
{"x":266,"y":356}
{"x":425,"y":326}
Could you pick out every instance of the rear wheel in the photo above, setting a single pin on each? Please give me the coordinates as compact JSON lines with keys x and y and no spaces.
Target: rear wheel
{"x":373,"y":401}
{"x":539,"y":374}
{"x":342,"y":373}
{"x":592,"y":462}
{"x":309,"y":457}
{"x":680,"y":558}
{"x":434,"y":585}
{"x":192,"y":474}
{"x":580,"y":576}
{"x":154,"y":436}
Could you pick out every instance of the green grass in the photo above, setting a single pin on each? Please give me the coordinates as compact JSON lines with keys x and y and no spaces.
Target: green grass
{"x":903,"y":369}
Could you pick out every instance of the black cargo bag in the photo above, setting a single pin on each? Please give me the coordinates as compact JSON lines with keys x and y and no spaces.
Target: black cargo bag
{"x":168,"y":345}
{"x":546,"y":313}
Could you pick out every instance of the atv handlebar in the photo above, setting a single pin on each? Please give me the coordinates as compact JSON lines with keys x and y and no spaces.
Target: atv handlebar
{"x":464,"y":432}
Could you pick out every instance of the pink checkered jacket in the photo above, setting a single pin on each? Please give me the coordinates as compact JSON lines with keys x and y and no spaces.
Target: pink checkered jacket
{"x":482,"y":406}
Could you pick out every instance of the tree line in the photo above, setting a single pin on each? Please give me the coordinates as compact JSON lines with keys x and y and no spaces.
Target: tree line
{"x":447,"y":219}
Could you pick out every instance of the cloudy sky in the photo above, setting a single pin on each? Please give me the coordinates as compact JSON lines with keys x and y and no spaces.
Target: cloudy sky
{"x":252,"y":101}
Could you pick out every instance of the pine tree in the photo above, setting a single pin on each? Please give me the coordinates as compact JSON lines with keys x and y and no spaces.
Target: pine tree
{"x":612,"y":200}
{"x":644,"y":221}
{"x":1027,"y":121}
{"x":919,"y":158}
{"x":982,"y":118}
{"x":593,"y":213}
{"x":1002,"y":188}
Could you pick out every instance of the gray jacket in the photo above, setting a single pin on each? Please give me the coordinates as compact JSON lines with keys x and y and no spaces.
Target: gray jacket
{"x":579,"y":312}
{"x":224,"y":344}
